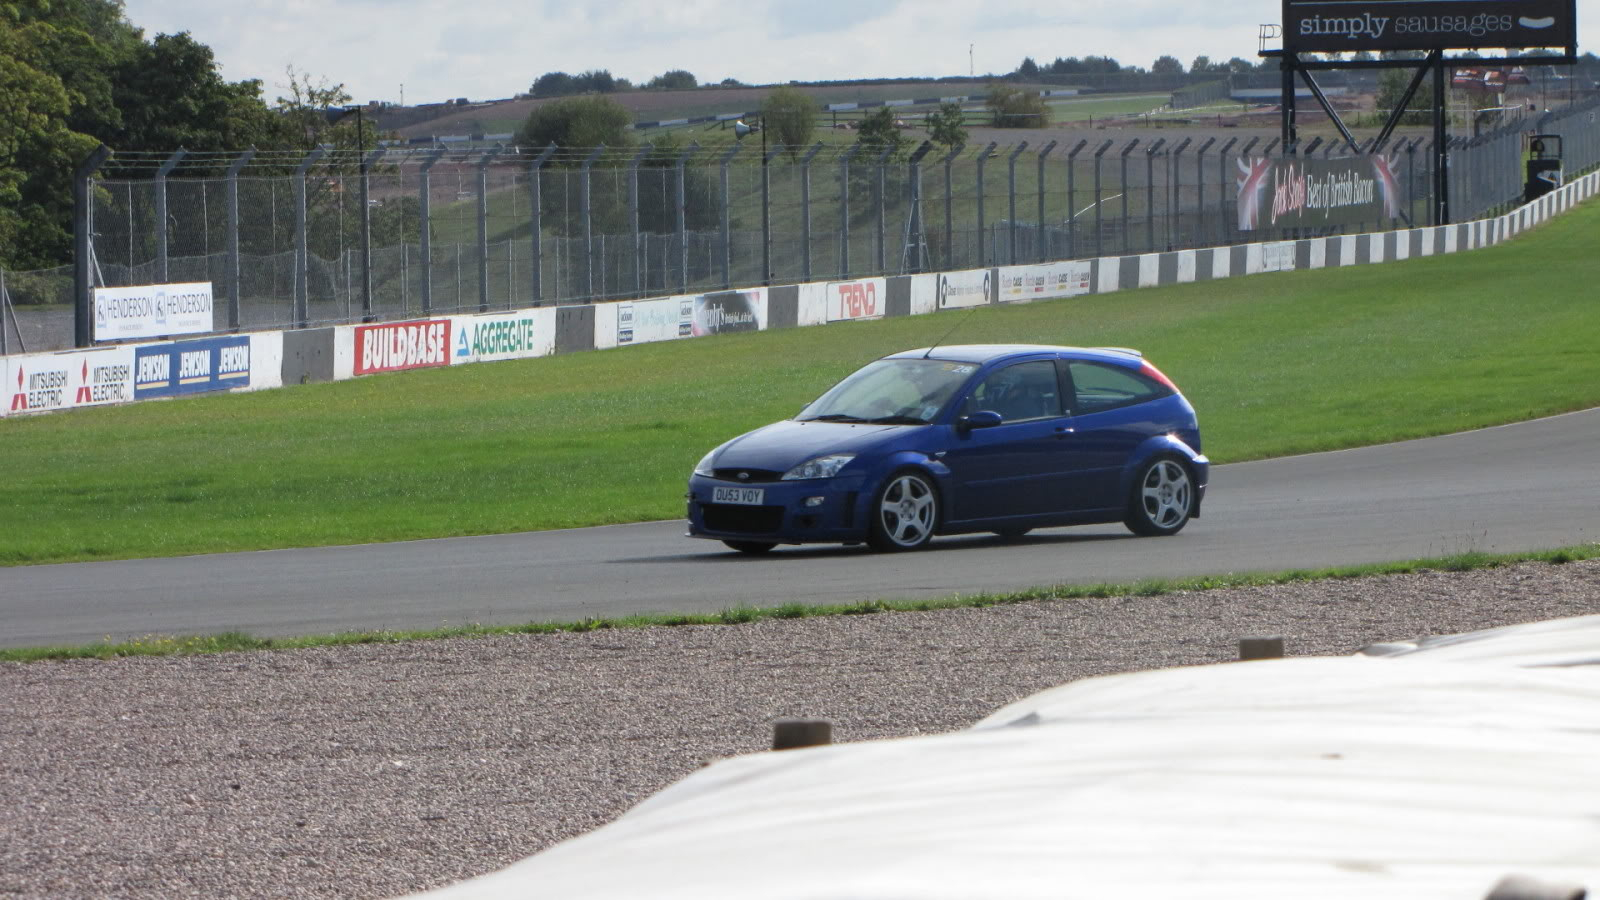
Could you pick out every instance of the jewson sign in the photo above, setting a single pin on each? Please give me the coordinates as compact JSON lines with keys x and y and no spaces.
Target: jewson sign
{"x":191,"y":367}
{"x":152,"y":311}
{"x":1308,"y":193}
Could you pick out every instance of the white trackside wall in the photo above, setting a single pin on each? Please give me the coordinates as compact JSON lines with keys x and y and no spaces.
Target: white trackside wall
{"x":122,"y":373}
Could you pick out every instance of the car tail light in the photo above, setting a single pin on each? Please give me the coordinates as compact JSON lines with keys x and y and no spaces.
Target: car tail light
{"x":1155,"y":373}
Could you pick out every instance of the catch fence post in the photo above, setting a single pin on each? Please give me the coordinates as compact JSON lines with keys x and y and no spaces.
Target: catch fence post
{"x":1040,"y":255}
{"x":805,"y":211}
{"x":683,"y":214}
{"x":1125,"y":151}
{"x":368,"y":160}
{"x":880,"y":188}
{"x":633,"y":216}
{"x":1072,"y":199}
{"x":983,"y":235}
{"x":161,"y":212}
{"x":949,"y":214}
{"x":1011,"y":201}
{"x":766,"y":212}
{"x":1149,"y":193}
{"x":1174,"y":190}
{"x":844,"y":211}
{"x":1200,"y":191}
{"x":234,"y":312}
{"x":425,"y":233}
{"x":536,"y":233}
{"x":302,"y":248}
{"x":727,"y":203}
{"x":1099,"y":236}
{"x":584,"y":200}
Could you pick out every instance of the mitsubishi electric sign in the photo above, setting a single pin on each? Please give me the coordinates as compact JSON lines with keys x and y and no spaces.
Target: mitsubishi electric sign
{"x":1340,"y":26}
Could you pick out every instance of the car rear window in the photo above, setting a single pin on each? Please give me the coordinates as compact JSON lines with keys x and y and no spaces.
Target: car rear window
{"x":1099,"y":386}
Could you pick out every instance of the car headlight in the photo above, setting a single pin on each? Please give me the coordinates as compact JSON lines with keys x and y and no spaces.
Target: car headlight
{"x":821,"y":467}
{"x":703,"y":467}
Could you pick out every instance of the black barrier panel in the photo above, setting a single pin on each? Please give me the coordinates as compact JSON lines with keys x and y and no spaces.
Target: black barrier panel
{"x":308,"y":356}
{"x":1335,"y":255}
{"x":898,"y":299}
{"x":1094,"y":276}
{"x":783,"y":306}
{"x":1302,"y":255}
{"x":1167,"y":269}
{"x":1204,"y":264}
{"x":1238,"y":260}
{"x":1350,"y":26}
{"x":1128,"y":275}
{"x":574,"y":328}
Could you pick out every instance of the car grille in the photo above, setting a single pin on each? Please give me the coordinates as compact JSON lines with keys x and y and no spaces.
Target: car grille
{"x":727,"y":517}
{"x":751,"y":476}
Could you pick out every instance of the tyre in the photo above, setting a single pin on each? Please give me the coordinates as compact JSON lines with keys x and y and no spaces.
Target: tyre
{"x":1162,"y":499}
{"x":904,"y":512}
{"x":754,"y":548}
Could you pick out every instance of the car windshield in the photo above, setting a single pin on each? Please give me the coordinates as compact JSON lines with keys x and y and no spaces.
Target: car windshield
{"x":892,"y":392}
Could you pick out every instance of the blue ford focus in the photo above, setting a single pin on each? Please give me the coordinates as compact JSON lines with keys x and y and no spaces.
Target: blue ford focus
{"x":961,"y":439}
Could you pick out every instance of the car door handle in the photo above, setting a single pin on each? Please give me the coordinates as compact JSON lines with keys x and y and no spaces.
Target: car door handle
{"x":1064,"y":430}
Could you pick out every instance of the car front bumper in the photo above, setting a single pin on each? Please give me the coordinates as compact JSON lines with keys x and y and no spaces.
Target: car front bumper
{"x":821,"y":510}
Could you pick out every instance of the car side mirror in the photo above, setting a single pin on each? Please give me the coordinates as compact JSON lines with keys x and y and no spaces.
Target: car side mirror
{"x":983,"y":418}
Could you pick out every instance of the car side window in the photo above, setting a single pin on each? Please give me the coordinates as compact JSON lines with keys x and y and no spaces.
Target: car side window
{"x":1019,"y":392}
{"x":1100,"y":386}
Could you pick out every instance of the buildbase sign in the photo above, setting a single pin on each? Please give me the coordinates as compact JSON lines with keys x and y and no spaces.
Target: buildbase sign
{"x":402,"y":345}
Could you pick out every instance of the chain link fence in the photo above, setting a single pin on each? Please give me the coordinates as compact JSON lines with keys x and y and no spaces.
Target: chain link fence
{"x":297,"y":241}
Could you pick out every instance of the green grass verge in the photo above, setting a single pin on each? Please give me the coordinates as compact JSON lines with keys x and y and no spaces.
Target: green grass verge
{"x":1276,"y":364}
{"x":234,"y":641}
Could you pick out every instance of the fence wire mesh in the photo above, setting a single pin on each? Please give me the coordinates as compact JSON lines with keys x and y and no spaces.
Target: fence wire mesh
{"x":297,"y":241}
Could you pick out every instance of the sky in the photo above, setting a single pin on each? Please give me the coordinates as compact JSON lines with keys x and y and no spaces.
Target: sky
{"x":489,"y":49}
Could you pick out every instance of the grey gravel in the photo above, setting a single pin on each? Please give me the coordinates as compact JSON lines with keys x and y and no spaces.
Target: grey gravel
{"x":371,"y":771}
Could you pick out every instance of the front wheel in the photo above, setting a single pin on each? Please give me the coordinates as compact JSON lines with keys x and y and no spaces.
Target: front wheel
{"x":904,"y":513}
{"x":1162,"y":500}
{"x":754,"y":548}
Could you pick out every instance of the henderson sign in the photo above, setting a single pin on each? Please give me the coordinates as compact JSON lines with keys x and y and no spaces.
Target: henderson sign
{"x":1339,"y":26}
{"x":152,"y":311}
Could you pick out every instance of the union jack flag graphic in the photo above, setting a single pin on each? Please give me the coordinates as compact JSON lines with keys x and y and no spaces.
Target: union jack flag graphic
{"x":1253,"y":172}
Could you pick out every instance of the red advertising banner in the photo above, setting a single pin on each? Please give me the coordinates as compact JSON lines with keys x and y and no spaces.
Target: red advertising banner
{"x":1313,"y":193}
{"x":855,"y":299}
{"x":402,"y":345}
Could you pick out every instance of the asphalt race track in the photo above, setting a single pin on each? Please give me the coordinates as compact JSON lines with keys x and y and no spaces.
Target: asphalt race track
{"x":1528,"y":486}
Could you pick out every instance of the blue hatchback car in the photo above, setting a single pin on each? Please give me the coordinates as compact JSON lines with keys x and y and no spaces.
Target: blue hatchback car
{"x":1001,"y":438}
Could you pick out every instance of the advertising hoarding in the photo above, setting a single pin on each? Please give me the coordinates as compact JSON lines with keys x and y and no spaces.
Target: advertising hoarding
{"x":726,"y":311}
{"x":152,"y":311}
{"x":398,"y":346}
{"x":961,"y":289}
{"x":1021,"y":284}
{"x":1346,"y":26}
{"x":645,"y":321}
{"x":862,"y":299}
{"x":191,"y":367}
{"x":516,"y":335}
{"x":40,"y":384}
{"x":1310,"y":193}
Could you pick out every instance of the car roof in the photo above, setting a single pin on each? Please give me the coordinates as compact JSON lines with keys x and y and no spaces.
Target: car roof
{"x":983,"y":353}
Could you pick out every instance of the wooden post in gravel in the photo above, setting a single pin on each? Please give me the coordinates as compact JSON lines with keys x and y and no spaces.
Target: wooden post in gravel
{"x":788,"y":734}
{"x":1260,"y":648}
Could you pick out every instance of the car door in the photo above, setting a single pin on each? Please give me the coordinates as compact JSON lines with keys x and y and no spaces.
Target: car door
{"x":1111,"y":418}
{"x":1013,"y":469}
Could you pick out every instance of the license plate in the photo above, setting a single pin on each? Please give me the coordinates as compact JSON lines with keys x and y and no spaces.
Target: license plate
{"x":741,"y":496}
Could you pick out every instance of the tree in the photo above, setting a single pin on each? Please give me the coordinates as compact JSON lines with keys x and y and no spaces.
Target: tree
{"x":553,"y":84}
{"x":1392,"y":85}
{"x":597,"y":81}
{"x":947,"y":125}
{"x":1015,"y":108}
{"x":878,"y":133}
{"x":675,"y":80}
{"x":305,"y":107}
{"x":171,"y":95}
{"x":1201,"y":65}
{"x":577,"y":122}
{"x":1166,"y":65}
{"x":1028,"y":69}
{"x":790,"y":116}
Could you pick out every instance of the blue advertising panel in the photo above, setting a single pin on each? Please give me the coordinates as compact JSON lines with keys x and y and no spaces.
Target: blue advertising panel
{"x":191,"y":367}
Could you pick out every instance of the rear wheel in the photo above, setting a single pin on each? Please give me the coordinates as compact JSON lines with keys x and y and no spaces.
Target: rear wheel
{"x":904,"y":513}
{"x":1162,"y":500}
{"x":754,"y":548}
